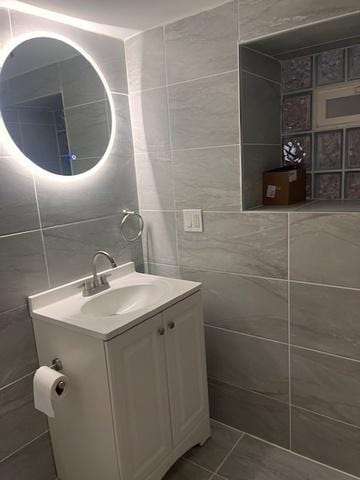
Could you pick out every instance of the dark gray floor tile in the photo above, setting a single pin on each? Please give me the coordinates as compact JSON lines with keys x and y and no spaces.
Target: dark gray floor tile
{"x":315,"y":314}
{"x":17,"y":346}
{"x":18,"y":210}
{"x":257,"y":460}
{"x":250,"y":412}
{"x":232,"y":302}
{"x":250,"y":243}
{"x":69,"y":248}
{"x":33,"y":462}
{"x":19,"y":421}
{"x":184,"y":470}
{"x":214,"y":451}
{"x":22,"y":270}
{"x":328,"y":441}
{"x":326,"y":384}
{"x":323,"y":246}
{"x":248,"y":362}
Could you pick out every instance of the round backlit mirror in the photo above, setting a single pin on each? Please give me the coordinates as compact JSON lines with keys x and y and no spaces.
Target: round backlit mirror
{"x":55,"y":106}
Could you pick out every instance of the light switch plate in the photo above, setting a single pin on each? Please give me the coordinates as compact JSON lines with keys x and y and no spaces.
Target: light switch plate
{"x":193,"y":220}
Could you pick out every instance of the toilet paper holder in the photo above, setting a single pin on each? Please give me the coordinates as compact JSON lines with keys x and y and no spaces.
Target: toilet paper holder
{"x":56,"y":364}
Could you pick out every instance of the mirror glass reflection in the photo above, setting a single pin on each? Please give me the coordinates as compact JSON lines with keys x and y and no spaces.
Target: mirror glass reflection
{"x":55,"y":106}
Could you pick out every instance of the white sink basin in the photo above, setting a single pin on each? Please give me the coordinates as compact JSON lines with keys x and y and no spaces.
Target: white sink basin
{"x":119,"y":301}
{"x":132,"y":298}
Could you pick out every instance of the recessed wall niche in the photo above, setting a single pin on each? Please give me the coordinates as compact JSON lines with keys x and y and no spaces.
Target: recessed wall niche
{"x":280,"y":80}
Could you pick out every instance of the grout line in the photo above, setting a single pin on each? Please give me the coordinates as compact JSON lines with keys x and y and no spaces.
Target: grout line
{"x":261,"y":76}
{"x":185,"y":459}
{"x":235,"y":332}
{"x":4,"y":387}
{"x":289,"y":333}
{"x":292,"y":452}
{"x":20,"y":233}
{"x":42,"y":234}
{"x":227,"y":456}
{"x":171,"y":148}
{"x":24,"y":446}
{"x":343,"y":422}
{"x":10,"y":310}
{"x":70,"y":107}
{"x":10,"y":24}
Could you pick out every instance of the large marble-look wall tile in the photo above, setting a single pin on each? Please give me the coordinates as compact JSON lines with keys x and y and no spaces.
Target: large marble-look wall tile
{"x":5,"y":25}
{"x":250,"y":412}
{"x":207,"y":178}
{"x":205,"y":112}
{"x":150,"y":123}
{"x":325,"y":248}
{"x":315,"y":319}
{"x":162,"y":270}
{"x":123,"y":141}
{"x":19,"y":421}
{"x":108,"y":52}
{"x":108,"y":191}
{"x":18,"y":355}
{"x":255,"y":160}
{"x":327,"y":441}
{"x":326,"y":384}
{"x":248,"y":362}
{"x":87,"y":129}
{"x":22,"y":270}
{"x":255,"y":62}
{"x":254,"y":244}
{"x":80,"y":83}
{"x":159,"y":237}
{"x":154,"y":173}
{"x":145,"y":60}
{"x":34,"y":461}
{"x":260,"y":110}
{"x":203,"y":44}
{"x":232,"y":302}
{"x":69,"y":248}
{"x":18,"y":209}
{"x":264,"y":17}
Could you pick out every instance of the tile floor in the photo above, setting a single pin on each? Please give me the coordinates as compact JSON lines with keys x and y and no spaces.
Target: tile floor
{"x":232,"y":455}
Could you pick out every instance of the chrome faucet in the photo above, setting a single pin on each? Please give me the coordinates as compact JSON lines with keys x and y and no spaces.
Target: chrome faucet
{"x":97,"y":283}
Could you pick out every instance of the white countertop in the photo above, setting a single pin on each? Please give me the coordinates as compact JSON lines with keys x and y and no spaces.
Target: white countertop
{"x":63,"y":305}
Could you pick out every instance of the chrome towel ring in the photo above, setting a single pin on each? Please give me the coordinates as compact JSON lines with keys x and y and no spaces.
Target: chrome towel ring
{"x":127,"y":215}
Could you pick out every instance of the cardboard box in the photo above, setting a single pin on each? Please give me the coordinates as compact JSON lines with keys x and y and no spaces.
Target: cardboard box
{"x":284,"y":186}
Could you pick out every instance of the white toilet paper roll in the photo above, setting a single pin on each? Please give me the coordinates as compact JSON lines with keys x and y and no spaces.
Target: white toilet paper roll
{"x":47,"y":389}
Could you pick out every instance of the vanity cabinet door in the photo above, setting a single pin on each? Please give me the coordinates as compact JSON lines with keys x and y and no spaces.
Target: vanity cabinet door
{"x":138,"y":380}
{"x":185,"y":351}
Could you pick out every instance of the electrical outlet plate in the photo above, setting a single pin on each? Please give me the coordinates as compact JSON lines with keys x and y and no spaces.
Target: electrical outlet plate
{"x":193,"y":220}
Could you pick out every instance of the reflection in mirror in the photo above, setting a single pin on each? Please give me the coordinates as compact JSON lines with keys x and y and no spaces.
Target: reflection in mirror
{"x":55,"y":106}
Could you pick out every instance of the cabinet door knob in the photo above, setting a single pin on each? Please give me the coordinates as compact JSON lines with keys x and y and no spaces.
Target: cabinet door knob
{"x":161,"y":331}
{"x":171,"y":325}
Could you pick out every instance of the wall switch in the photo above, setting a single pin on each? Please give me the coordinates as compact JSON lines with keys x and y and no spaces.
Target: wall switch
{"x":193,"y":220}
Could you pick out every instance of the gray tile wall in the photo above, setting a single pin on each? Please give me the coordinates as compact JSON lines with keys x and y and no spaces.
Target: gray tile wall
{"x":281,"y":290}
{"x":49,"y":227}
